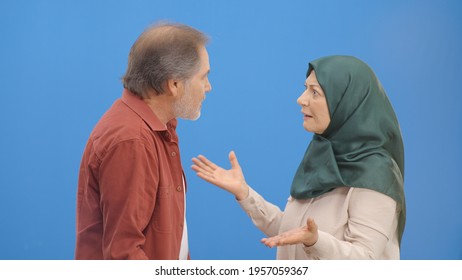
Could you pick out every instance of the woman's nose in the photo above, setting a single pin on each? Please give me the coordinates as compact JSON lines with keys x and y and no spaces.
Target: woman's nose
{"x":303,"y":100}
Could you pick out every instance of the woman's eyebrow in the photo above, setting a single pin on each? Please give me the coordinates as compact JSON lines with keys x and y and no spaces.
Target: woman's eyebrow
{"x":312,"y":85}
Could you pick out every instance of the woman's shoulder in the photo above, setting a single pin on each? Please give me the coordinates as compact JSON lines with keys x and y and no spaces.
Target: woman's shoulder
{"x":371,"y":197}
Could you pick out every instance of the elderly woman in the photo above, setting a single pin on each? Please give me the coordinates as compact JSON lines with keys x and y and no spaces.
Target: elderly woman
{"x":347,"y":199}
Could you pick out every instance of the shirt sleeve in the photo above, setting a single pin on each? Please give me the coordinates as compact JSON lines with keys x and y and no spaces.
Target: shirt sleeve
{"x":266,"y":216}
{"x":128,"y":187}
{"x":371,"y":224}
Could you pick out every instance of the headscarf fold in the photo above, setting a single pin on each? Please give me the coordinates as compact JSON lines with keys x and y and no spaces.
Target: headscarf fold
{"x":362,"y":147}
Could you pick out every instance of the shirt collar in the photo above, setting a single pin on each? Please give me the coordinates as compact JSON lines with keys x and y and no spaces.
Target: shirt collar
{"x":145,"y":112}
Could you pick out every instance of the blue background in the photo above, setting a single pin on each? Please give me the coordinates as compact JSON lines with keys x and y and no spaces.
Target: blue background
{"x":60,"y":69}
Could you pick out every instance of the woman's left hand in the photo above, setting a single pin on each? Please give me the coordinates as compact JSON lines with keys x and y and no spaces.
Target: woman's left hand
{"x":308,"y":235}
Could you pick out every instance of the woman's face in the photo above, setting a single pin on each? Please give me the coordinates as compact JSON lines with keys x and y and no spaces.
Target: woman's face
{"x":315,"y":111}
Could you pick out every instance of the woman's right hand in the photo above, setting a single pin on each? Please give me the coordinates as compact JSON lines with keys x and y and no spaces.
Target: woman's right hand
{"x":231,"y":180}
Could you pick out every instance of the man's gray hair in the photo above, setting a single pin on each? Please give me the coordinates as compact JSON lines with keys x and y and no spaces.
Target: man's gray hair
{"x":162,"y":52}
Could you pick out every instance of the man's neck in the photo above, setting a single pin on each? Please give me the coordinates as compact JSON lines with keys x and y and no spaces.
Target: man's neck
{"x":161,"y":105}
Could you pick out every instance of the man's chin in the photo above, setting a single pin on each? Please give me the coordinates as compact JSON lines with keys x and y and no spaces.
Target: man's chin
{"x":193,"y":118}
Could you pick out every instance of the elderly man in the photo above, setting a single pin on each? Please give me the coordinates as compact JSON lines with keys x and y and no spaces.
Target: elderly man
{"x":131,"y":189}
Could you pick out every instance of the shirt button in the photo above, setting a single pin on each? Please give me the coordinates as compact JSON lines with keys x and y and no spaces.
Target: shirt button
{"x":173,"y":154}
{"x":179,"y":188}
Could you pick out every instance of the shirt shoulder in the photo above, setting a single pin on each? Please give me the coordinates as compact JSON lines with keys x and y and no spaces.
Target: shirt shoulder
{"x":119,"y":124}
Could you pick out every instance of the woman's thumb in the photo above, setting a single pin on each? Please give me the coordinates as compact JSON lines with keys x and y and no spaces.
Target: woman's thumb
{"x":233,"y":160}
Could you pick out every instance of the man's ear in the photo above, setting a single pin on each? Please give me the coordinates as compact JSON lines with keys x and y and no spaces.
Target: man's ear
{"x":173,"y":87}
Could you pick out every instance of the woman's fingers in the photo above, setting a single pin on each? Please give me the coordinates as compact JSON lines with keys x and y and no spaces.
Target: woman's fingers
{"x":201,"y":166}
{"x":269,"y":242}
{"x":274,"y":241}
{"x":278,"y":240}
{"x":207,"y":162}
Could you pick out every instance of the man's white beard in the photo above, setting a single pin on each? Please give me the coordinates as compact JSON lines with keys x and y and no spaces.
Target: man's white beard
{"x":184,"y":107}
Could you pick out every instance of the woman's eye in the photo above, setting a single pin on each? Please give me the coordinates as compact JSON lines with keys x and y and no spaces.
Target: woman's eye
{"x":315,"y":92}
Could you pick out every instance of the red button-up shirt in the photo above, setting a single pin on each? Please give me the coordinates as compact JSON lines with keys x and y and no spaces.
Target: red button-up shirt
{"x":130,"y":201}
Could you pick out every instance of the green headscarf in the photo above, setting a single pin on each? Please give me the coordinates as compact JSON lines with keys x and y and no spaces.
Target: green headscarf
{"x":362,"y":146}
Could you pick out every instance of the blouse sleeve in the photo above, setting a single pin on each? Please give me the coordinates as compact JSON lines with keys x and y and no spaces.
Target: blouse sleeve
{"x":371,"y":225}
{"x":266,"y":216}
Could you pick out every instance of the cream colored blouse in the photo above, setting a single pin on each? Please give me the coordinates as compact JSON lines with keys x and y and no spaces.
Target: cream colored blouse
{"x":353,"y":223}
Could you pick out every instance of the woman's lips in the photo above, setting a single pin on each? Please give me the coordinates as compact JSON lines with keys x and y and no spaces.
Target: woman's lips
{"x":306,"y":116}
